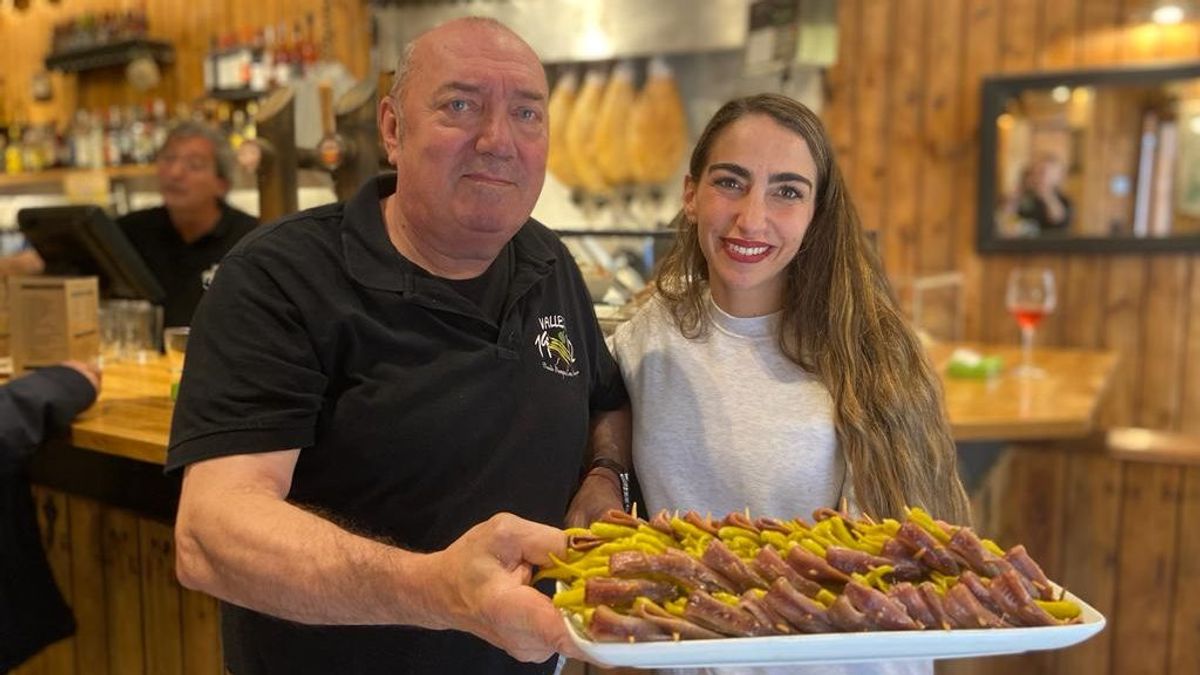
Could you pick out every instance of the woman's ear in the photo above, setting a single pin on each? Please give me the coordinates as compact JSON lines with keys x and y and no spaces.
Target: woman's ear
{"x":689,"y":197}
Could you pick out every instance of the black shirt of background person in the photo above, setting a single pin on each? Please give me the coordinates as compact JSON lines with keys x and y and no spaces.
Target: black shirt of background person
{"x":183,"y":269}
{"x":1033,"y":208}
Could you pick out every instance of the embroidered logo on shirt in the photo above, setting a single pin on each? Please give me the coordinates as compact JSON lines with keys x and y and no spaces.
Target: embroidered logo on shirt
{"x":206,"y":277}
{"x":554,"y":346}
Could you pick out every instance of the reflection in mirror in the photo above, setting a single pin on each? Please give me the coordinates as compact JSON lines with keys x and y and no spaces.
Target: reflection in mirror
{"x":1080,"y":158}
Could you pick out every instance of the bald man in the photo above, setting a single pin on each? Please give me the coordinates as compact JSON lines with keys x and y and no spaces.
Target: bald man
{"x":389,"y":403}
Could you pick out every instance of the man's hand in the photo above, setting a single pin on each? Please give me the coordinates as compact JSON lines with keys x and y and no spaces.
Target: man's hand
{"x":599,"y":492}
{"x":90,"y":371}
{"x":480,"y":584}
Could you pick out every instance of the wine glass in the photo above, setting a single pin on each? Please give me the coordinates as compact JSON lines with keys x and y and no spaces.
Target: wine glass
{"x":1030,"y":297}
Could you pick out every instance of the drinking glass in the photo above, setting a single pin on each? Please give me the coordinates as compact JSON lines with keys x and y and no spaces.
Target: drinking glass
{"x":175,"y":343}
{"x":1030,"y":297}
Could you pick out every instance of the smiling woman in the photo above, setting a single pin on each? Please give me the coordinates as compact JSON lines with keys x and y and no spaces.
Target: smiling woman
{"x":773,"y":371}
{"x":756,"y":196}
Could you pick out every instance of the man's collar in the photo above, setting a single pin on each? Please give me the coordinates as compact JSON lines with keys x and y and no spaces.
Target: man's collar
{"x":218,"y":231}
{"x":373,"y":261}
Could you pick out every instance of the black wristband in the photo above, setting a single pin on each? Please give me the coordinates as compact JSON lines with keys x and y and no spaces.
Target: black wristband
{"x":606,"y":463}
{"x":617,"y":468}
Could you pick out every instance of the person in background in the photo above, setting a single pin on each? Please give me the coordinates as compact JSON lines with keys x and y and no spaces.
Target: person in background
{"x":772,"y":370}
{"x":388,"y":403}
{"x":183,"y":240}
{"x":32,"y":611}
{"x":1040,"y":204}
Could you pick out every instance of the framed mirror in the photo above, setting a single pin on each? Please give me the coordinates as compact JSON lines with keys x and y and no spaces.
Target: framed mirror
{"x":1093,"y":161}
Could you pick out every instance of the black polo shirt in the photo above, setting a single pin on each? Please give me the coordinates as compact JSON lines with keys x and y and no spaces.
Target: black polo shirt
{"x":418,"y":415}
{"x":183,"y":269}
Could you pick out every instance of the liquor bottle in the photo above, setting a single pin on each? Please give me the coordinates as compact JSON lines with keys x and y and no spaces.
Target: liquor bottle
{"x":260,"y":63}
{"x":308,"y":47}
{"x":210,"y":65}
{"x":161,"y":125}
{"x":32,"y":149}
{"x":268,"y":54}
{"x":297,"y":50}
{"x":81,"y":156}
{"x":283,"y":56}
{"x":245,"y":58}
{"x":143,"y":135}
{"x":96,"y":140}
{"x":112,"y":137}
{"x":12,"y":152}
{"x":236,"y":125}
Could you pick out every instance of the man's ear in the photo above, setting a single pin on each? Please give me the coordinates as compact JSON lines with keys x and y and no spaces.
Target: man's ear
{"x":388,"y":120}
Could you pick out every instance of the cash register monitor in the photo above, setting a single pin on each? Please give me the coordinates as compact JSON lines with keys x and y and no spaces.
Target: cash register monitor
{"x":84,"y":241}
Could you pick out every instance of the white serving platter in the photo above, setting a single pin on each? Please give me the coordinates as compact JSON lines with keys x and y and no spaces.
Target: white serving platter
{"x":839,"y":647}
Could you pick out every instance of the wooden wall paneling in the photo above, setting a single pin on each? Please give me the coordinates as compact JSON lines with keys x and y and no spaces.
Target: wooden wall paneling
{"x":1089,"y":551}
{"x":171,"y":14}
{"x":1019,"y":35}
{"x":88,"y":586}
{"x":1181,"y":41}
{"x":941,"y":152}
{"x":981,"y":55}
{"x":201,"y":634}
{"x":1053,"y":328}
{"x":1184,"y":656}
{"x":1145,"y":564}
{"x":194,"y":21}
{"x":123,"y":592}
{"x":1060,"y":24}
{"x":870,"y":142}
{"x":998,"y":325}
{"x":1100,"y":31}
{"x":840,"y":113}
{"x":1190,"y":405}
{"x":54,"y":521}
{"x":1164,"y":331}
{"x":905,"y":93}
{"x":162,"y":624}
{"x":1081,"y":294}
{"x":1143,"y":41}
{"x":1122,"y":321}
{"x":352,"y":36}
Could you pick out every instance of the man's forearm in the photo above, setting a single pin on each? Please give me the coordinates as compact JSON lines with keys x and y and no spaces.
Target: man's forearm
{"x":612,"y":436}
{"x":290,"y":563}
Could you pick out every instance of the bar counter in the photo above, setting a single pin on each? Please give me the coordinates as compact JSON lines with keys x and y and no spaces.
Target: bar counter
{"x":132,"y":419}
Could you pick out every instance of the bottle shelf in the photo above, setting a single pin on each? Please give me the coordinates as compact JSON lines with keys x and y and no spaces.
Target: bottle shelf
{"x":51,"y":176}
{"x":112,"y":54}
{"x":241,"y":94}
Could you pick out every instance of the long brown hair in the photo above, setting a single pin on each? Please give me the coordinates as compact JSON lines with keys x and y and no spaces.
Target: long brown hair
{"x":840,"y":321}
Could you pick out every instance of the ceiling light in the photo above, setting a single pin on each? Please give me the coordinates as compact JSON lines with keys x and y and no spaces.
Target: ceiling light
{"x":1167,"y":14}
